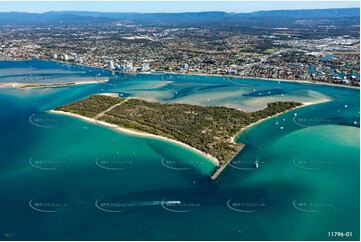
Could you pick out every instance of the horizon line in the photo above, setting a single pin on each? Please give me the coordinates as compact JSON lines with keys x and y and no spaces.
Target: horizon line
{"x":206,"y":11}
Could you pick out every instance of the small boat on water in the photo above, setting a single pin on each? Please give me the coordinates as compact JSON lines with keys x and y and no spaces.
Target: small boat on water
{"x":9,"y":235}
{"x":256,"y":164}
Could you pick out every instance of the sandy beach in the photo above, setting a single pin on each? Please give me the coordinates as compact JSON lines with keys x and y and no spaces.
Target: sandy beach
{"x":10,"y":84}
{"x":85,"y":82}
{"x":269,"y":117}
{"x":35,"y":85}
{"x":110,"y":94}
{"x":138,"y":133}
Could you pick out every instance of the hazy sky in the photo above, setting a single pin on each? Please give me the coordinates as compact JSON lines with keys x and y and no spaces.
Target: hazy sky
{"x":166,"y":6}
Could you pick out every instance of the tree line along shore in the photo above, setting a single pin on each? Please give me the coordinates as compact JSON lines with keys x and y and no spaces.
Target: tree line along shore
{"x":209,"y":129}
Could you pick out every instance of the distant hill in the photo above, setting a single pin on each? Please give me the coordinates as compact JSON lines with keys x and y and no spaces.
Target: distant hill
{"x":299,"y":14}
{"x":17,"y":18}
{"x":277,"y":18}
{"x":310,"y":13}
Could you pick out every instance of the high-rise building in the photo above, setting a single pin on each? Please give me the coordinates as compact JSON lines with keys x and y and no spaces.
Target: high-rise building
{"x":110,"y":65}
{"x":144,"y":67}
{"x":129,"y":66}
{"x":75,"y":58}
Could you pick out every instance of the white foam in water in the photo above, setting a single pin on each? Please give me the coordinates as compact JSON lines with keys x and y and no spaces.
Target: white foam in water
{"x":149,"y":203}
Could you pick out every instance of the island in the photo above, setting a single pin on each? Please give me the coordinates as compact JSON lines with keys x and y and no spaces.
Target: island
{"x":210,"y":130}
{"x":46,"y":85}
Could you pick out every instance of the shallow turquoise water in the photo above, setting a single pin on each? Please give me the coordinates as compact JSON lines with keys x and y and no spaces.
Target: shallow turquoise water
{"x":66,"y":179}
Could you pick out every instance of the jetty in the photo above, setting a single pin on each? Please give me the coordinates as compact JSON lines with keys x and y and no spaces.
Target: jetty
{"x":223,"y":166}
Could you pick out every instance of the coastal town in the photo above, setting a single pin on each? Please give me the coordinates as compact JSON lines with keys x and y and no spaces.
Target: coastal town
{"x":129,"y":47}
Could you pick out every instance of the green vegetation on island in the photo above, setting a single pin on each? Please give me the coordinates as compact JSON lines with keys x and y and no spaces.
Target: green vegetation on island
{"x":209,"y":129}
{"x":91,"y":106}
